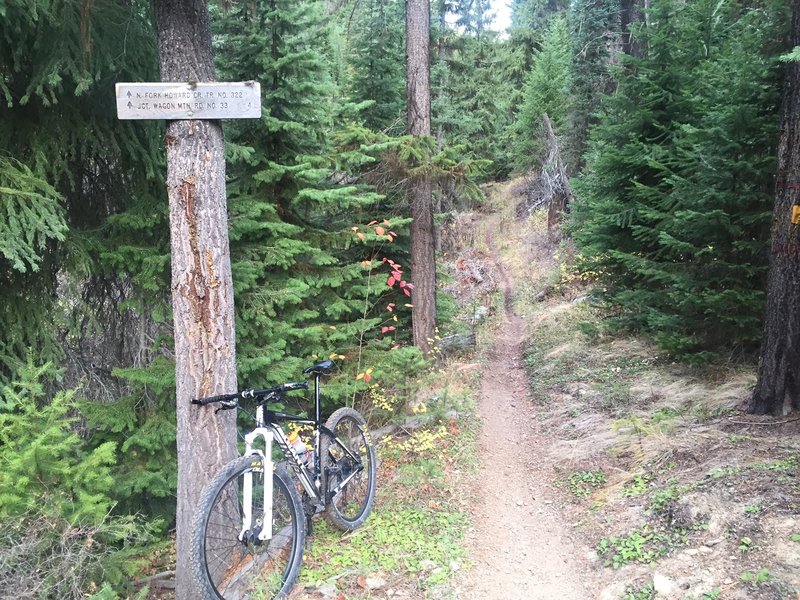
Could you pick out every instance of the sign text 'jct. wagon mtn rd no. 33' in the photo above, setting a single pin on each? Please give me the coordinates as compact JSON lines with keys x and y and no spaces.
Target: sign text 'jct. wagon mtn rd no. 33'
{"x":178,"y":100}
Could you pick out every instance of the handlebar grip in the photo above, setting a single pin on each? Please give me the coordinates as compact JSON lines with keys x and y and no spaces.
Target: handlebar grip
{"x":212,"y":399}
{"x":297,"y":385}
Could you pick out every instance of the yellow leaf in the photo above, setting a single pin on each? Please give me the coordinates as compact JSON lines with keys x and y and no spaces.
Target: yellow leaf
{"x":360,"y":376}
{"x":409,"y":305}
{"x":360,"y":236}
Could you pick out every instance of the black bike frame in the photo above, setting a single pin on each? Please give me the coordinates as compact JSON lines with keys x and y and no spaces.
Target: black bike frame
{"x":313,"y":486}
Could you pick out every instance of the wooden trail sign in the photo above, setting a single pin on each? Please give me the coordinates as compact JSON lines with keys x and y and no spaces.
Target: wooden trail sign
{"x":175,"y":101}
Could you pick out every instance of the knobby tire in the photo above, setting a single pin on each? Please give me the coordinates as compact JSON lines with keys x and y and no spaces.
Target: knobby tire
{"x":349,"y":508}
{"x":226,"y":568}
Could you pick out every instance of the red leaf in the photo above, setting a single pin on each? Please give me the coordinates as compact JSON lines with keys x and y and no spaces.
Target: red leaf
{"x":390,"y":306}
{"x":367,"y":377}
{"x":380,"y":230}
{"x":403,"y":284}
{"x":362,"y":582}
{"x":371,"y":223}
{"x":391,"y":281}
{"x":406,"y":292}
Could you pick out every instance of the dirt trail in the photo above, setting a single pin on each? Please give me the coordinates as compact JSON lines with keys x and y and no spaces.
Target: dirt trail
{"x":519,"y":545}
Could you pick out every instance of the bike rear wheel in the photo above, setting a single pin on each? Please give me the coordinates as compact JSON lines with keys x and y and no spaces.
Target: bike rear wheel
{"x":232,"y":564}
{"x":350,"y":464}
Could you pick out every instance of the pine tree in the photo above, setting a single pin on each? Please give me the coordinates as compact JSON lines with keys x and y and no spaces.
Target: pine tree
{"x":423,"y":253}
{"x":375,"y":63}
{"x":46,"y":466}
{"x":593,"y":26}
{"x":477,"y":101}
{"x":68,"y":163}
{"x":299,"y":288}
{"x":778,"y":387}
{"x":546,"y":92}
{"x":473,"y":16}
{"x":671,"y":207}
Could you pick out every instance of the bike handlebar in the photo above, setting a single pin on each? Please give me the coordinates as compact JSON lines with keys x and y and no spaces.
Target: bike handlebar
{"x":264,"y":394}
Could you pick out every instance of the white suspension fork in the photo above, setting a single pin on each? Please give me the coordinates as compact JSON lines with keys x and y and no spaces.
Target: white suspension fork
{"x":247,"y":491}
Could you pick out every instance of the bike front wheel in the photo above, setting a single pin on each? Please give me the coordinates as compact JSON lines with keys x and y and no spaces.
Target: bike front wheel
{"x":230,"y":560}
{"x":350,"y":464}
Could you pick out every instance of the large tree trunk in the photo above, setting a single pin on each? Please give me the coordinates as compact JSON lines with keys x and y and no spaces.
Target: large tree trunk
{"x":423,"y":255}
{"x":202,"y":289}
{"x":778,"y":387}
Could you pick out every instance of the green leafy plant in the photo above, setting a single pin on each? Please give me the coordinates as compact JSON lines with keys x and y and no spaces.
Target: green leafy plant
{"x":643,"y":545}
{"x":661,"y":500}
{"x":46,"y":466}
{"x":756,"y":579}
{"x":581,"y":483}
{"x":752,"y":509}
{"x":638,"y":486}
{"x":647,"y":592}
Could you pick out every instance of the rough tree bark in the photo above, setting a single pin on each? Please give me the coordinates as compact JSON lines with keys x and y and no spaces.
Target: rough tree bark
{"x":777,"y":390}
{"x":423,"y":255}
{"x":631,"y":12}
{"x":202,"y":289}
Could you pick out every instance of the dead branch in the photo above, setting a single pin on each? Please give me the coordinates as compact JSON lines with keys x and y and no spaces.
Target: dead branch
{"x":557,"y":190}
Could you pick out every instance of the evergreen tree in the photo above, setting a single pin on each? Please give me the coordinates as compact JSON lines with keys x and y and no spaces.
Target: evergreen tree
{"x":299,"y":288}
{"x":777,"y":389}
{"x":593,"y":26}
{"x":671,"y":208}
{"x":476,"y":106}
{"x":473,"y":16}
{"x":546,"y":92}
{"x":375,"y":63}
{"x":68,"y":163}
{"x":420,"y":197}
{"x":535,"y":15}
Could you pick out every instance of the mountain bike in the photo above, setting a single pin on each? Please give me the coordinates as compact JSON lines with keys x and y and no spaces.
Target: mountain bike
{"x":250,"y":527}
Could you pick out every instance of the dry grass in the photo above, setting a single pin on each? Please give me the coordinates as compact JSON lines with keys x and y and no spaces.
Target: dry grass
{"x":672,"y":440}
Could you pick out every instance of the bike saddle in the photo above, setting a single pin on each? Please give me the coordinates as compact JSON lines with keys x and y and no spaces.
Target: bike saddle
{"x":321,"y":368}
